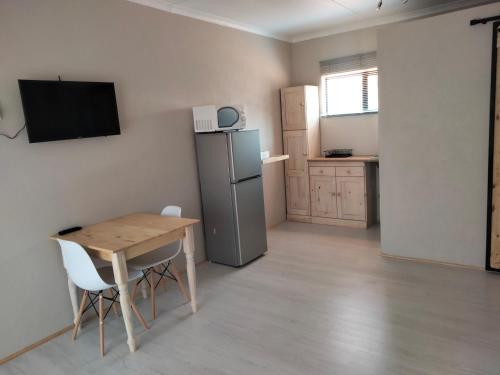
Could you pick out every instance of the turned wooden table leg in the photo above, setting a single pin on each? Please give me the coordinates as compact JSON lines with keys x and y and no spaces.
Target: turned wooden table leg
{"x":188,"y":246}
{"x":121,"y":279}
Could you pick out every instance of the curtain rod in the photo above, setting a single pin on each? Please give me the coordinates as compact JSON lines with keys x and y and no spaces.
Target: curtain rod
{"x":484,"y":21}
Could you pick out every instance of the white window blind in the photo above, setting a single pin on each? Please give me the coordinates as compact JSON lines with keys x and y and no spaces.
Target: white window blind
{"x":350,"y":85}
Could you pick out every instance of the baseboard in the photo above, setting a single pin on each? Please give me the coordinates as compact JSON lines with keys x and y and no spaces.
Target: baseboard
{"x":431,"y":261}
{"x":35,"y":345}
{"x":327,"y":221}
{"x":299,"y":218}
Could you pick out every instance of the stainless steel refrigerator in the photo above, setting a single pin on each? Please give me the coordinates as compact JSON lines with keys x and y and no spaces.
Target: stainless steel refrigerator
{"x":230,"y":171}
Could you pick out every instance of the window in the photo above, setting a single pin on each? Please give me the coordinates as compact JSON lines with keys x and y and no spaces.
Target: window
{"x":349,"y":85}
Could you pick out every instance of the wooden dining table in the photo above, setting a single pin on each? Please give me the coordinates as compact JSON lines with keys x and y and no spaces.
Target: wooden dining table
{"x":127,"y":237}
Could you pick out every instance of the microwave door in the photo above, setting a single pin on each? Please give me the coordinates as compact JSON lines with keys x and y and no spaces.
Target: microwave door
{"x":227,"y":117}
{"x":244,"y":155}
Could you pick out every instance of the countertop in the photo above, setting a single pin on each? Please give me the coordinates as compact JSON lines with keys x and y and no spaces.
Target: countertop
{"x":365,"y":159}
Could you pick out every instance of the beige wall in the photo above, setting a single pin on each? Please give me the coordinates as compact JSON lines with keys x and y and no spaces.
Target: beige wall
{"x":162,"y":65}
{"x":357,"y":132}
{"x":434,"y":119}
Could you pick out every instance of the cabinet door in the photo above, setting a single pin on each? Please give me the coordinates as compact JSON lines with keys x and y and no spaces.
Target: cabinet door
{"x":323,"y":196}
{"x":293,"y":110}
{"x":297,"y":194}
{"x":351,"y":198}
{"x":295,"y":145}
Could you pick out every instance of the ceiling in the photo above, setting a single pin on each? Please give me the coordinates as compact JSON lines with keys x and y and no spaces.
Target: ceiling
{"x":296,"y":20}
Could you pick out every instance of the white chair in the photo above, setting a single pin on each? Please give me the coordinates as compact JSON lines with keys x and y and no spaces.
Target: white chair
{"x":159,"y":262}
{"x":82,"y":271}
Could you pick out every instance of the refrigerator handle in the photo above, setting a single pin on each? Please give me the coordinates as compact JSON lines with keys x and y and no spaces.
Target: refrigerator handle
{"x":236,"y":220}
{"x":231,"y":159}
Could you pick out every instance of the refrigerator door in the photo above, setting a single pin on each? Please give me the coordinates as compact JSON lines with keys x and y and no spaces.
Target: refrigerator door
{"x":244,"y":155}
{"x":250,"y":221}
{"x":218,"y":210}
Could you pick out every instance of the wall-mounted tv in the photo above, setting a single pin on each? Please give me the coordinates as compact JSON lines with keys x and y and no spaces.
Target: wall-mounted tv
{"x":57,"y":110}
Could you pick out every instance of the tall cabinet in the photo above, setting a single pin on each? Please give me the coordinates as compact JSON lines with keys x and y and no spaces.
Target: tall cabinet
{"x":301,"y":140}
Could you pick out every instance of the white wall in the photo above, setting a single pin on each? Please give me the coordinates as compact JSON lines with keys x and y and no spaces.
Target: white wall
{"x":434,"y":119}
{"x":357,"y":132}
{"x":162,"y":65}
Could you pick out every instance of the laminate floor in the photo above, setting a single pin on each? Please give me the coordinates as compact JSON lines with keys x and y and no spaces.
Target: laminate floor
{"x":322,"y":301}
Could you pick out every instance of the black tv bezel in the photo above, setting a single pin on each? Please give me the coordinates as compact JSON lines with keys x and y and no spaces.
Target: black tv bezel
{"x":33,"y":139}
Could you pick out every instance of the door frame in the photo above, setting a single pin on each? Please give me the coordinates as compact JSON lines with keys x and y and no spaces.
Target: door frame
{"x":491,"y":147}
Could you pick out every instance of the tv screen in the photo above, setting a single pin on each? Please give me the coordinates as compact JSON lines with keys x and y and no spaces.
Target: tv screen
{"x":56,"y":110}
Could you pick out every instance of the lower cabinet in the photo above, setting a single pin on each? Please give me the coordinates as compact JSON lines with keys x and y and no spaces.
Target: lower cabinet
{"x":323,"y":196}
{"x":297,"y":194}
{"x":351,"y":198}
{"x":339,"y":193}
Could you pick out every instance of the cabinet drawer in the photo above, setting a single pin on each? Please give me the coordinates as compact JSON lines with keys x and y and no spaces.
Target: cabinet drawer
{"x":350,"y":171}
{"x":322,"y":171}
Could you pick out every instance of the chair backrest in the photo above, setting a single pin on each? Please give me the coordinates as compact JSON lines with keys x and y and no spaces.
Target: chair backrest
{"x":80,"y":268}
{"x":174,"y":211}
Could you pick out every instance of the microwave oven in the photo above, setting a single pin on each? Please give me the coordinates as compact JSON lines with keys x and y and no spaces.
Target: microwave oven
{"x":212,"y":118}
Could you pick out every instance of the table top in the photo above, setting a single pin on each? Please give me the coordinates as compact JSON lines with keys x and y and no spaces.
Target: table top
{"x":127,"y":231}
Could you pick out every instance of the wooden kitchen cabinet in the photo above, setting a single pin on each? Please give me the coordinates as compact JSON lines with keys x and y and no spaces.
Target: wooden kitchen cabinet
{"x":300,"y":108}
{"x":323,"y":196}
{"x":293,"y":108}
{"x":300,"y":120}
{"x":342,"y":192}
{"x":297,"y":194}
{"x":321,"y":190}
{"x":295,"y":144}
{"x":351,"y":198}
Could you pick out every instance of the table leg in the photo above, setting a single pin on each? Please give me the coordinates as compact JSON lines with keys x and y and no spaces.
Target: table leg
{"x":73,"y":295}
{"x":188,"y":245}
{"x":121,"y":279}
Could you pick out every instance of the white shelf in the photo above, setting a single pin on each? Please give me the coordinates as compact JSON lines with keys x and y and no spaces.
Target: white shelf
{"x":275,"y":159}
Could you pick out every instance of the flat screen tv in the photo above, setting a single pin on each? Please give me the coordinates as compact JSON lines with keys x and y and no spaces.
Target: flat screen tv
{"x":56,"y":110}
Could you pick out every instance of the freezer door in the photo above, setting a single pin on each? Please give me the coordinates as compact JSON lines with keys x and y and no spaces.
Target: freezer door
{"x":250,"y":221}
{"x":244,"y":155}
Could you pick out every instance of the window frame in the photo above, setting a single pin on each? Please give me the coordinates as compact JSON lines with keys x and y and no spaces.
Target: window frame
{"x":365,"y":73}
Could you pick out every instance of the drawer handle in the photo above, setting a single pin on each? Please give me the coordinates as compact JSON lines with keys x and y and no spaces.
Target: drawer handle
{"x":348,"y":171}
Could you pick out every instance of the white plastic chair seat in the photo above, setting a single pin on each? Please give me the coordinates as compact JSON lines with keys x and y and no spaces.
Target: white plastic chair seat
{"x":108,"y":277}
{"x":154,"y":258}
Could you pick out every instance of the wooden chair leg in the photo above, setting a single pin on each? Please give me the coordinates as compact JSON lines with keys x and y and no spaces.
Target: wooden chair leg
{"x":80,"y":313}
{"x":153,"y":297}
{"x":101,"y":324}
{"x":139,"y":316}
{"x":115,"y":307}
{"x":180,"y":283}
{"x":162,"y":279}
{"x":134,"y":291}
{"x":144,"y":290}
